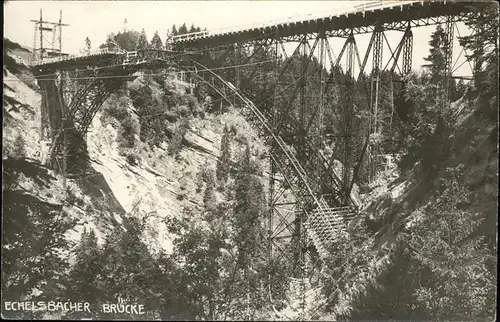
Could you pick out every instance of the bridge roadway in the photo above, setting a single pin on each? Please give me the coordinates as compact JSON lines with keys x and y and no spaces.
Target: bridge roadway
{"x":100,"y":58}
{"x":361,"y":19}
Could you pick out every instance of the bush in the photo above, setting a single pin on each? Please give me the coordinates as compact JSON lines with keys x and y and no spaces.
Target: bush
{"x":116,"y":107}
{"x":175,"y":144}
{"x":133,"y":159}
{"x":183,"y":184}
{"x":181,"y":195}
{"x":71,"y":198}
{"x":191,"y":101}
{"x":182,"y":110}
{"x":170,"y":100}
{"x":128,"y":129}
{"x":206,"y":174}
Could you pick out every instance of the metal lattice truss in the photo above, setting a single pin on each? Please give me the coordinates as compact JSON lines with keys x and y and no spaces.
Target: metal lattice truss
{"x":308,"y":209}
{"x":295,"y":120}
{"x":73,"y":105}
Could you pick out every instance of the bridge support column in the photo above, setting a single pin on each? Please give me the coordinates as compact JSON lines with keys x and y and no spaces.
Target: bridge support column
{"x":272,"y":175}
{"x":407,"y":51}
{"x":448,"y":58}
{"x":44,"y":116}
{"x":374,"y":97}
{"x":406,"y":48}
{"x":347,"y":113}
{"x":302,"y":156}
{"x":318,"y":116}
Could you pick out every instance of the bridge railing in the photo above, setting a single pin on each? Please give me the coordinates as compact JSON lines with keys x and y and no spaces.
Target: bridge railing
{"x":191,"y":35}
{"x":364,"y":7}
{"x":100,"y":51}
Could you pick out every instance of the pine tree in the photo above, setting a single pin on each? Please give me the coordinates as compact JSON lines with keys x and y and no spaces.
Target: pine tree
{"x":249,"y":208}
{"x":436,"y":57}
{"x":183,"y":29}
{"x":174,"y":31}
{"x":168,"y":40}
{"x":142,"y":42}
{"x":192,"y":28}
{"x":88,"y":45}
{"x":175,"y":144}
{"x":224,"y":161}
{"x":85,"y":274}
{"x":209,"y":196}
{"x":129,"y":270}
{"x":156,"y":42}
{"x":19,"y":147}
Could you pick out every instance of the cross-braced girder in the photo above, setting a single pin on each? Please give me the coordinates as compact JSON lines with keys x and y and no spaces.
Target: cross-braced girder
{"x":407,"y":51}
{"x":448,"y":57}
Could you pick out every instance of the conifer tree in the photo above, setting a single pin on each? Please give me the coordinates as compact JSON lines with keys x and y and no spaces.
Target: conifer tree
{"x":209,"y":196}
{"x":129,"y":270}
{"x":156,"y":42}
{"x":174,"y":30}
{"x":183,"y":29}
{"x":142,"y":42}
{"x":168,"y":40}
{"x":250,"y":203}
{"x":175,"y":144}
{"x":87,"y":44}
{"x":436,"y":56}
{"x":224,"y":161}
{"x":19,"y":147}
{"x":127,"y":40}
{"x":84,"y":276}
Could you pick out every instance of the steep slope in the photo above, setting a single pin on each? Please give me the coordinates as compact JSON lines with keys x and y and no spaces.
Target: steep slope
{"x":160,"y":185}
{"x":435,"y":234}
{"x":154,"y":187}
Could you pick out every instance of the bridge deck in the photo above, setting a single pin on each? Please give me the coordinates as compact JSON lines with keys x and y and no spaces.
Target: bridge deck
{"x":359,"y":19}
{"x":101,"y":57}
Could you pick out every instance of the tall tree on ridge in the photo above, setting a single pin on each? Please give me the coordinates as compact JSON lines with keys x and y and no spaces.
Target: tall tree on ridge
{"x":223,"y":163}
{"x":142,"y":42}
{"x":183,"y":29}
{"x":156,"y":42}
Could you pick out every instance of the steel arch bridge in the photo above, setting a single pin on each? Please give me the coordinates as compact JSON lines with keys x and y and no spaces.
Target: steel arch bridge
{"x":291,"y":122}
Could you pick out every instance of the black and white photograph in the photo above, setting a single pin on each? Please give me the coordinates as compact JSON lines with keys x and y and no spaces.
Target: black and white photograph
{"x":250,"y":160}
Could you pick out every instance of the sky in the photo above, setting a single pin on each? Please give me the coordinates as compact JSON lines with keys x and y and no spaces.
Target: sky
{"x":96,"y":19}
